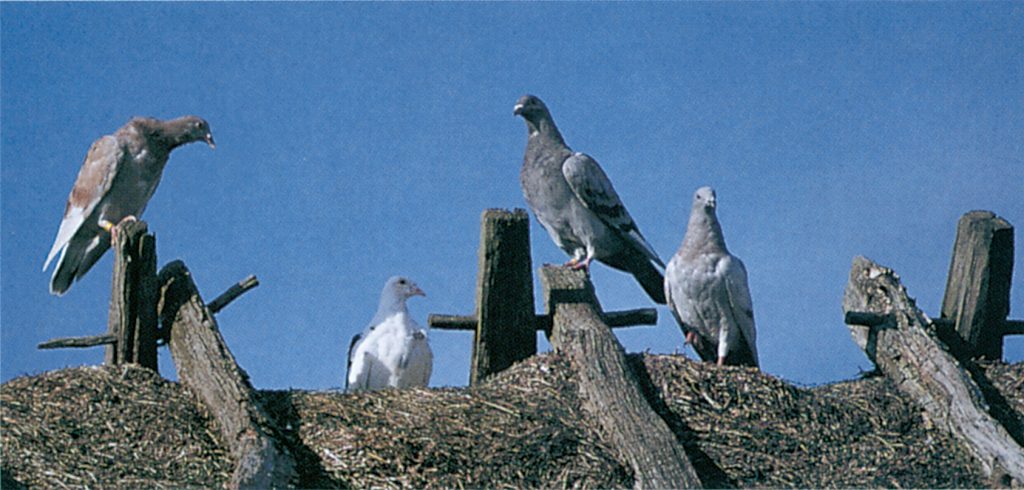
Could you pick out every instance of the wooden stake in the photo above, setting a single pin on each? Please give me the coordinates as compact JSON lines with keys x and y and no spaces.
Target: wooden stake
{"x":132,"y":319}
{"x":505,"y":331}
{"x":977,"y":295}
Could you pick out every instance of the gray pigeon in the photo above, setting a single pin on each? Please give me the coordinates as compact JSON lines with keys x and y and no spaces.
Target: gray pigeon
{"x":115,"y":183}
{"x":707,"y":291}
{"x":576,"y":203}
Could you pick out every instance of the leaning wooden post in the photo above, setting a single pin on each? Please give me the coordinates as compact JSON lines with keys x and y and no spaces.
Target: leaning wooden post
{"x":977,"y":298}
{"x":505,"y":331}
{"x":206,"y":366}
{"x":132,"y":319}
{"x":897,"y":337}
{"x":608,"y":388}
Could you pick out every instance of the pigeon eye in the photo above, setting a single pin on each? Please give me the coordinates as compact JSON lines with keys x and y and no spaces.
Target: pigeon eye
{"x":402,"y":282}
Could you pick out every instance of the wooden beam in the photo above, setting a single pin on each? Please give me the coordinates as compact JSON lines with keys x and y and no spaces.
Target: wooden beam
{"x":205,"y":365}
{"x":614,"y":319}
{"x":608,"y":388}
{"x":92,"y":341}
{"x":921,"y":367}
{"x":132,"y":318}
{"x":977,"y":297}
{"x":505,"y":331}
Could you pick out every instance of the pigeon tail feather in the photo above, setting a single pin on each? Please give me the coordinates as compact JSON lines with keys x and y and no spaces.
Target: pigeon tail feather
{"x":645,"y":272}
{"x":76,"y":259}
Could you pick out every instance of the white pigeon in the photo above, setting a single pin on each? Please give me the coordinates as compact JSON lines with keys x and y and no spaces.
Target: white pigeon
{"x":393,"y":350}
{"x":117,"y":179}
{"x":706,"y":289}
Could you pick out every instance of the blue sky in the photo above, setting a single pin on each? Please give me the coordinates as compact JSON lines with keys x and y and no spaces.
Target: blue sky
{"x":359,"y":141}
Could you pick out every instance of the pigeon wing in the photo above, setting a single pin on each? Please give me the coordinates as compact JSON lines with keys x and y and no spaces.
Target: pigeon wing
{"x":740,"y":302}
{"x":593,"y":188}
{"x":91,"y":187}
{"x":419,"y":361}
{"x":351,"y":350}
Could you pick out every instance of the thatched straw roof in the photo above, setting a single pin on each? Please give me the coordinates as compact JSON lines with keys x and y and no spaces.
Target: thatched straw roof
{"x":127,"y":427}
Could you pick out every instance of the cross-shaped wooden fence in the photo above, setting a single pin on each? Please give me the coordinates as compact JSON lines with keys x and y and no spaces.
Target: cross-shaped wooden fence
{"x":933,"y":360}
{"x":146,"y":306}
{"x":505,"y":325}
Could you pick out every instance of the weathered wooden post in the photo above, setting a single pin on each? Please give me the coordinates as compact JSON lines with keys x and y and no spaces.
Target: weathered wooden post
{"x":608,"y":388}
{"x":205,"y":364}
{"x":977,"y":298}
{"x":897,"y":337}
{"x":505,"y":331}
{"x":133,"y":296}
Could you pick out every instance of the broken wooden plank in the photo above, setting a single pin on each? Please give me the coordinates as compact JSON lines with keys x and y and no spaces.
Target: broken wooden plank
{"x":505,"y":331}
{"x":608,"y":388}
{"x":132,"y":318}
{"x":205,"y":364}
{"x":906,"y":351}
{"x":977,"y":297}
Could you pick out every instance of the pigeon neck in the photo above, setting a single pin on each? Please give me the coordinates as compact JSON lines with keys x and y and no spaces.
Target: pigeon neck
{"x":706,"y":235}
{"x":545,"y":127}
{"x":167,"y":134}
{"x":389,"y":306}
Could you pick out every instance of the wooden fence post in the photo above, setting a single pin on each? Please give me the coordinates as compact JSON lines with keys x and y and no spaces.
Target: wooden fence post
{"x":896,"y":336}
{"x":608,"y":388}
{"x":505,"y":331}
{"x":132,"y":319}
{"x":977,"y":298}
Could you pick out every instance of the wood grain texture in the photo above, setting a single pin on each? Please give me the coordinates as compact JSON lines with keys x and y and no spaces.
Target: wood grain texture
{"x":906,"y":351}
{"x":977,"y":297}
{"x":608,"y":388}
{"x":505,"y":331}
{"x":206,"y":366}
{"x":132,"y":318}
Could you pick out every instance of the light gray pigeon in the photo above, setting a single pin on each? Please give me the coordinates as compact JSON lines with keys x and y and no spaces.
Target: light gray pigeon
{"x":707,"y":291}
{"x":393,"y":350}
{"x":118,"y":178}
{"x":576,"y":203}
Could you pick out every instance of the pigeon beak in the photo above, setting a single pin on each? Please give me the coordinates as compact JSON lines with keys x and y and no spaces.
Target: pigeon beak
{"x":517,"y":110}
{"x":209,"y":141}
{"x":416,"y":291}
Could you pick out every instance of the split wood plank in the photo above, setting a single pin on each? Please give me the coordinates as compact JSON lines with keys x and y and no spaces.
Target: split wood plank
{"x":608,"y":388}
{"x":208,"y":368}
{"x":132,"y":319}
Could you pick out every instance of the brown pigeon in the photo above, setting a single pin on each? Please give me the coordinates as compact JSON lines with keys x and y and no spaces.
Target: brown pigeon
{"x":575,"y":201}
{"x":115,"y":183}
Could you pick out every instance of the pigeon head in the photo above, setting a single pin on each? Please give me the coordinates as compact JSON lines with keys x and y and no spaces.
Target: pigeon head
{"x":197,"y":129}
{"x":704,"y":198}
{"x":402,"y":288}
{"x":531,"y":108}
